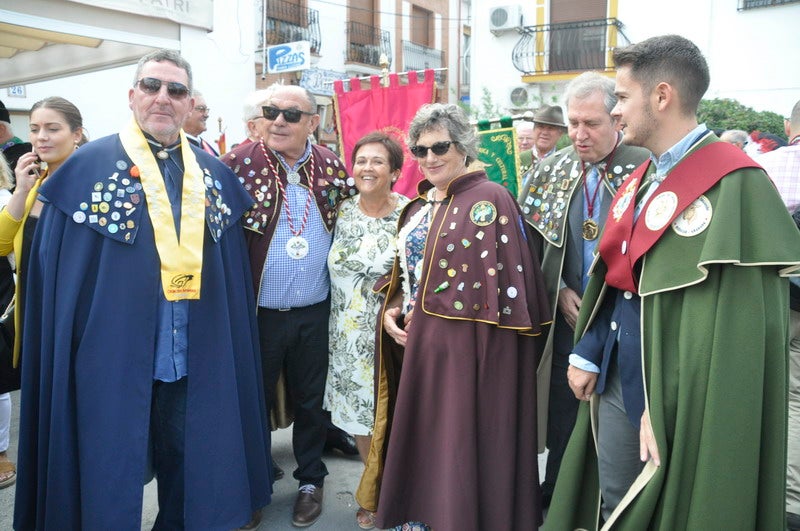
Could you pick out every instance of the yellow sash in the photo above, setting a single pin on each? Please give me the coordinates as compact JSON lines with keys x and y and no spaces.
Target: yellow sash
{"x":181,"y":262}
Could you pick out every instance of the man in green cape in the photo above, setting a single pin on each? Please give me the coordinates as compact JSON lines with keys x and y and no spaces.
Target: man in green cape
{"x":683,"y":327}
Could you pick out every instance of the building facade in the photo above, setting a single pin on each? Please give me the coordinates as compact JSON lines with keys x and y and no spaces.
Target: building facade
{"x":226,"y":43}
{"x":524,"y":53}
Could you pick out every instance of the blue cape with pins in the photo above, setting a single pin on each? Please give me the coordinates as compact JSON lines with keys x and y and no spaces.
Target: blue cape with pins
{"x":89,"y":336}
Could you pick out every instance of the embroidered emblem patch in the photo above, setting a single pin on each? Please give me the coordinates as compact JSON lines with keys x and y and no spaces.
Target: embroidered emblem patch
{"x":483,"y":213}
{"x":694,"y":219}
{"x":660,"y":210}
{"x":624,"y":201}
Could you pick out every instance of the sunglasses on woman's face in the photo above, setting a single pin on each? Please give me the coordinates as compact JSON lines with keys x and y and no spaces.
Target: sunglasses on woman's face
{"x":290,"y":115}
{"x":439,"y":148}
{"x":151,"y":85}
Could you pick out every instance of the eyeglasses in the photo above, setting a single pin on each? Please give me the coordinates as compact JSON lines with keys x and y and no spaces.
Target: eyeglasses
{"x":290,"y":115}
{"x":439,"y":148}
{"x":202,"y":108}
{"x":151,"y":85}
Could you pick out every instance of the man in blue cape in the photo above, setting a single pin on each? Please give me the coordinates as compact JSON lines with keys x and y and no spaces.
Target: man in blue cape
{"x":140,"y":342}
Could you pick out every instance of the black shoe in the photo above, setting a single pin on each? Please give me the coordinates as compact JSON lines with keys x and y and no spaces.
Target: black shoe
{"x":342,"y":441}
{"x":277,"y":472}
{"x":793,"y":521}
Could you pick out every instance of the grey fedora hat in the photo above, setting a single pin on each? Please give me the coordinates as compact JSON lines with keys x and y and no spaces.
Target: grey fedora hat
{"x":549,"y":115}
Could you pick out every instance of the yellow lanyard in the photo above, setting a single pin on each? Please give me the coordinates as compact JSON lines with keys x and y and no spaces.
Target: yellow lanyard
{"x":181,"y":261}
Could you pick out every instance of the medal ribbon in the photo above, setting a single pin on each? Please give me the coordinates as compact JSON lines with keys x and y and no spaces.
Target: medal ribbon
{"x":309,"y":176}
{"x":181,"y":261}
{"x":601,"y":174}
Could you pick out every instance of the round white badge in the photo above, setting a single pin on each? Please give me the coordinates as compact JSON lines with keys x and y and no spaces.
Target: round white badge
{"x":297,"y":247}
{"x":660,"y":210}
{"x":293,"y":177}
{"x":694,"y":219}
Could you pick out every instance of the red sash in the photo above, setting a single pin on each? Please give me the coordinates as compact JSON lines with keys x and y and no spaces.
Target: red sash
{"x":624,"y":242}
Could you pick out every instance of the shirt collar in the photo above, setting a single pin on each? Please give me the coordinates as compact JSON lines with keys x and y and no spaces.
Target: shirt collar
{"x":670,"y":158}
{"x":300,"y":161}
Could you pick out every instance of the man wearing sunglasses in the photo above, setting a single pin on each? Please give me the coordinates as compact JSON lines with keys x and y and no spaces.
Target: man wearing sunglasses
{"x":143,"y":342}
{"x":195,"y":124}
{"x":296,"y":186}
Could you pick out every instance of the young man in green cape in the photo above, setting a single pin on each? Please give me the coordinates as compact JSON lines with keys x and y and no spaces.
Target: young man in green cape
{"x":683,"y":327}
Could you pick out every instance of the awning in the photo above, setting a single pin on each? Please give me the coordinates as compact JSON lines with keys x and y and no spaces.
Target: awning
{"x":49,"y":39}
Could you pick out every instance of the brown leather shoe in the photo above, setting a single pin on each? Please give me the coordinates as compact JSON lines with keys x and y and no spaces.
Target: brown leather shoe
{"x":307,"y":506}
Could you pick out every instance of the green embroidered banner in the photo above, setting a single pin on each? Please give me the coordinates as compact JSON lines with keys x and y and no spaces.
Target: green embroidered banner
{"x":498,"y":151}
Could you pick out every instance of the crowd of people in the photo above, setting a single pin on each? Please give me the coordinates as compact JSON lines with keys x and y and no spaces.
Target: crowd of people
{"x":629,"y":311}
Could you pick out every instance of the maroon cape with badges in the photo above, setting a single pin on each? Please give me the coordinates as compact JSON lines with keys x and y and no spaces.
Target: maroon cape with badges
{"x":454,"y":444}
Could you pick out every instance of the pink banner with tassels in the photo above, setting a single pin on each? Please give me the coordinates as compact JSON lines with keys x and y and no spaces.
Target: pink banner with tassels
{"x":387,"y":109}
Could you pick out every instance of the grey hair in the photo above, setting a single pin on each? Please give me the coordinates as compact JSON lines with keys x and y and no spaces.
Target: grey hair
{"x":451,"y":118}
{"x":253,"y":103}
{"x":312,"y":101}
{"x":735,"y":136}
{"x":165,"y":55}
{"x":794,"y":118}
{"x":588,"y":84}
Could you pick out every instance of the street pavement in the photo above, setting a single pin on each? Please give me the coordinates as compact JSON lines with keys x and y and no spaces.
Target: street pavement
{"x":338,"y":510}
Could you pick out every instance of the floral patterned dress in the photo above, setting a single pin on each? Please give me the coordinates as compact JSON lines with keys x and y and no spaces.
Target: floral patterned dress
{"x":362,"y":251}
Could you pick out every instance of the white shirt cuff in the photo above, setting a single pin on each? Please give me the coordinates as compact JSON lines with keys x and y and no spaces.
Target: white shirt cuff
{"x":583,"y":363}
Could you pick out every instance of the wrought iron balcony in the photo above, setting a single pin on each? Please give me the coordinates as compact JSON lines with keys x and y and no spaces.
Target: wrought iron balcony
{"x":568,"y":47}
{"x":366,"y":43}
{"x":289,"y":22}
{"x":419,"y":57}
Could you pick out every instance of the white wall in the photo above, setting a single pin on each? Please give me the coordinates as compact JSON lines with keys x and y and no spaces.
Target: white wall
{"x":491,"y":54}
{"x":333,"y":31}
{"x":751,"y":54}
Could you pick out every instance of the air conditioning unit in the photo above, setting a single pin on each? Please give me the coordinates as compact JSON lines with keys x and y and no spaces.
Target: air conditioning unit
{"x":519,"y":97}
{"x":505,"y":18}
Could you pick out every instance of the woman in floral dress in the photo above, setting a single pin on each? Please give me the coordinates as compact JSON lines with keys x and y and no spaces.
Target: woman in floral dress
{"x":362,"y":251}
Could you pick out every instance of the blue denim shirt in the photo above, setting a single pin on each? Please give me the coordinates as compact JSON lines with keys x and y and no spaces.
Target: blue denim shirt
{"x":170,"y":363}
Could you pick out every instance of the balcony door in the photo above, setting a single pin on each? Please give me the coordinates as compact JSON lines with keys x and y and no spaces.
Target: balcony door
{"x":290,"y":11}
{"x":363,"y":20}
{"x":574,"y":43}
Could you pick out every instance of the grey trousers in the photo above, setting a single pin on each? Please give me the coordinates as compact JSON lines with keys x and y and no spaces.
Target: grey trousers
{"x":793,"y":442}
{"x":618,"y":444}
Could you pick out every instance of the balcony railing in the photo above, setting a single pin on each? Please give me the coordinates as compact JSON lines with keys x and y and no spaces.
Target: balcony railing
{"x":753,"y":4}
{"x":419,"y":57}
{"x":289,"y":22}
{"x":366,"y":43}
{"x":568,"y":47}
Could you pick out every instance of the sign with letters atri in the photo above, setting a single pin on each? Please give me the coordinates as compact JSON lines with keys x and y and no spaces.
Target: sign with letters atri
{"x":289,"y":57}
{"x":198,"y":13}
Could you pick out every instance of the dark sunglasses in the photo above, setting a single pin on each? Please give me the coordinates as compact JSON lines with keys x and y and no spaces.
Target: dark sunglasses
{"x":290,"y":115}
{"x":151,"y":85}
{"x":439,"y":148}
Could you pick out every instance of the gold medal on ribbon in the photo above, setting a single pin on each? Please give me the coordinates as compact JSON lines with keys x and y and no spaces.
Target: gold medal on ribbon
{"x":181,"y":261}
{"x":590,"y":229}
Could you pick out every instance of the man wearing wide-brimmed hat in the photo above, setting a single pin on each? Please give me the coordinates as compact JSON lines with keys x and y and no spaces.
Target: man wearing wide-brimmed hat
{"x":548,"y":126}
